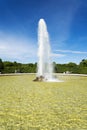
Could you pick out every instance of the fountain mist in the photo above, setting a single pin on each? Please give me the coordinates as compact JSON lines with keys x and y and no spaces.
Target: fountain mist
{"x":45,"y":67}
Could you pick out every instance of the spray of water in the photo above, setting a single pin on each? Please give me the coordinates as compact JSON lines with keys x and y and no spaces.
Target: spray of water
{"x":45,"y":67}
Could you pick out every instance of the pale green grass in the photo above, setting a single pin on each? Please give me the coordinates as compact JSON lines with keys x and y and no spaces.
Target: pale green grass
{"x":28,"y":105}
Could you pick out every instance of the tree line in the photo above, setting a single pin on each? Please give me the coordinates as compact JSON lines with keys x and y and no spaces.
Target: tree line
{"x":15,"y":67}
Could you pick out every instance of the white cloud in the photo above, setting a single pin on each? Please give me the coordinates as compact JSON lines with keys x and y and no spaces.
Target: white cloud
{"x":57,"y":55}
{"x":70,"y":51}
{"x":17,"y":48}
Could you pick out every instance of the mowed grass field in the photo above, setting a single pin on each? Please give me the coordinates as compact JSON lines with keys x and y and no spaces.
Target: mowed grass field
{"x":28,"y":105}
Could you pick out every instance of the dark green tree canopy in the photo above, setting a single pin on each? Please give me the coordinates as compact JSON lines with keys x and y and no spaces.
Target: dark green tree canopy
{"x":15,"y":67}
{"x":1,"y":65}
{"x":83,"y":63}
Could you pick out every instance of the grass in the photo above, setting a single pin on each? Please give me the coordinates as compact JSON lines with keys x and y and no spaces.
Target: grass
{"x":28,"y":105}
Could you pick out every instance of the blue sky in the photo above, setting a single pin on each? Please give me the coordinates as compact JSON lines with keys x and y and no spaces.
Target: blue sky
{"x":66,"y":22}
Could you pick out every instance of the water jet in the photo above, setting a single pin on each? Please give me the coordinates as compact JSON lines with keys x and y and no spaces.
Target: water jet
{"x":44,"y":66}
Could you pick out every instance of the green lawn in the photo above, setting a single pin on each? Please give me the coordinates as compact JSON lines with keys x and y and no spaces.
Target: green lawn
{"x":28,"y":105}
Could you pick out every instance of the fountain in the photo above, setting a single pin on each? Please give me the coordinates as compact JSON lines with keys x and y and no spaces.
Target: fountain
{"x":44,"y":66}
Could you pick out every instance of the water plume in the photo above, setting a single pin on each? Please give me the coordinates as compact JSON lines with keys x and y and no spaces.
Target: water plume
{"x":44,"y":66}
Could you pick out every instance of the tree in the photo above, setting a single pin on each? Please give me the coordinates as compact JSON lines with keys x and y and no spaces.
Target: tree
{"x":1,"y":65}
{"x":71,"y":64}
{"x":83,"y":63}
{"x":8,"y":64}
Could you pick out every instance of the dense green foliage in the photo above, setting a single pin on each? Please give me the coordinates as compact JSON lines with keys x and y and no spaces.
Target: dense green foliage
{"x":14,"y":67}
{"x":1,"y":65}
{"x":72,"y":67}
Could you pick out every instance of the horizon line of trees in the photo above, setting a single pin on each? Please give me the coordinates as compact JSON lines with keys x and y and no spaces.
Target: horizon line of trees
{"x":14,"y":67}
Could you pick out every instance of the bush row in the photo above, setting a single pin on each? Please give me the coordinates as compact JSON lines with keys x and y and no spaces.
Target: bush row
{"x":14,"y":67}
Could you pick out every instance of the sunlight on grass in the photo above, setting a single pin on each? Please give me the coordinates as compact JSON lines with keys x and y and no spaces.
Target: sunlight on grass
{"x":28,"y":105}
